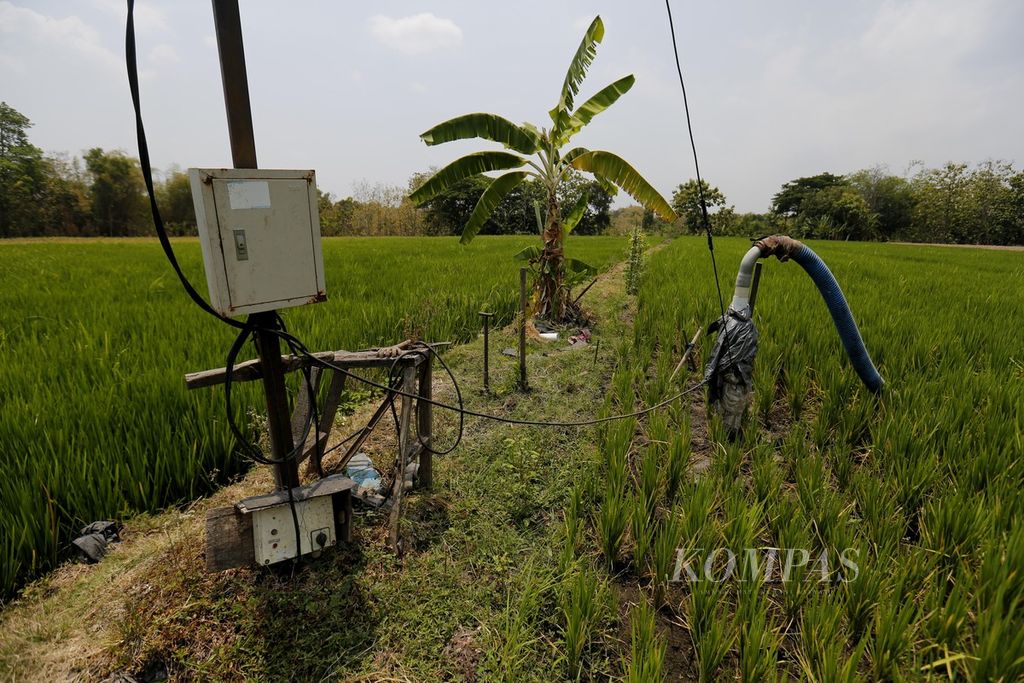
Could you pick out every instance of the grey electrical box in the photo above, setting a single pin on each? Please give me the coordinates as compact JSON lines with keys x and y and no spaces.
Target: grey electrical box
{"x":260,"y":235}
{"x":273,"y":530}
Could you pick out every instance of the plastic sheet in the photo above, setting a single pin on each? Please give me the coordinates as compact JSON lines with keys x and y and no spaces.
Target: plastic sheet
{"x":730,"y":368}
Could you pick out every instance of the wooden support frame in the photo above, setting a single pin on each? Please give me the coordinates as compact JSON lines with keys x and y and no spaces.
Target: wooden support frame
{"x":404,"y":436}
{"x":229,"y":530}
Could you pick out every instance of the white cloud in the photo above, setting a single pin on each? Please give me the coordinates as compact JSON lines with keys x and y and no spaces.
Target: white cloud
{"x":418,"y":87}
{"x":417,"y":34}
{"x":912,"y":29}
{"x":164,"y":54}
{"x":70,"y":32}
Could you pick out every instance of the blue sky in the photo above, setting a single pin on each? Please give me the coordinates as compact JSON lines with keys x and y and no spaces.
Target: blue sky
{"x":777,"y":90}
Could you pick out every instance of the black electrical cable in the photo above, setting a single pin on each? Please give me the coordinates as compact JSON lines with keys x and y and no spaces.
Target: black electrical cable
{"x":724,"y":333}
{"x":344,"y":441}
{"x":147,"y":172}
{"x":462,"y":410}
{"x":696,"y":164}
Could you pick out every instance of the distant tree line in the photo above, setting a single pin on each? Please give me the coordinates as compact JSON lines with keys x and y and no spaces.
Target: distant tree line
{"x":102,"y":194}
{"x":955,"y":203}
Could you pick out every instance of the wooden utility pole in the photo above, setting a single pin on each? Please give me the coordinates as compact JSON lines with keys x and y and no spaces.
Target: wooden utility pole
{"x":243,"y":154}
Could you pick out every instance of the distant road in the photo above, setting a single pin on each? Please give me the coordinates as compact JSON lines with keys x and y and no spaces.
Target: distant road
{"x":998,"y":247}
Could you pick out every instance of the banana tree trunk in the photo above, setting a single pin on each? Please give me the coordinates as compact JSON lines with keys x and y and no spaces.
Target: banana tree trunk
{"x":553,"y":294}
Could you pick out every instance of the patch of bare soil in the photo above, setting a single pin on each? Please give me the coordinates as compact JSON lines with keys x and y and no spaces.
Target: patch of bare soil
{"x":463,"y":651}
{"x":680,"y":658}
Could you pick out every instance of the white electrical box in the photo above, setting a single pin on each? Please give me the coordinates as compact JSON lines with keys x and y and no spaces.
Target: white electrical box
{"x":273,"y":529}
{"x":260,"y":234}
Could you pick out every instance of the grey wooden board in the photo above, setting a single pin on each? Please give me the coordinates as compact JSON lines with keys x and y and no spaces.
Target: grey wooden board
{"x":250,"y":370}
{"x":229,"y":541}
{"x":301,"y":410}
{"x":330,"y":411}
{"x":336,"y":483}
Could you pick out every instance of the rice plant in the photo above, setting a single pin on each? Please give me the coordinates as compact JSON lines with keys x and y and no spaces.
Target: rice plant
{"x":647,"y":648}
{"x":757,"y":641}
{"x":712,"y":647}
{"x":663,"y":556}
{"x":514,"y":634}
{"x":678,"y":461}
{"x":612,"y":519}
{"x":918,"y":487}
{"x":583,"y":605}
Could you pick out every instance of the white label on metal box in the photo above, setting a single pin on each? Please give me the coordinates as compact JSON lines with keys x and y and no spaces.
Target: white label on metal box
{"x":249,"y":194}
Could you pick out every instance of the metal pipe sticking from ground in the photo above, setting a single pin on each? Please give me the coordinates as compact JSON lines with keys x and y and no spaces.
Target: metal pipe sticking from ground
{"x":730,"y":368}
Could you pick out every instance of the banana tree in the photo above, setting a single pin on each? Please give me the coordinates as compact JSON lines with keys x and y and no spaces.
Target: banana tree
{"x":541,"y":155}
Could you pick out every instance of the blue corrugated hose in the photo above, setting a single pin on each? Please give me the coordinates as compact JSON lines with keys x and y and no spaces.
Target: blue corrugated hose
{"x":841,"y":316}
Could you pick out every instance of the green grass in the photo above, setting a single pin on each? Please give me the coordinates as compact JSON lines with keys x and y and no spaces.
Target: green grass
{"x":97,"y":335}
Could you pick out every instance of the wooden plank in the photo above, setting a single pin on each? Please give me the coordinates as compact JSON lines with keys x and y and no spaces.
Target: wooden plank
{"x":330,"y":411}
{"x":424,"y":423}
{"x":250,"y":370}
{"x":408,"y":385}
{"x":303,"y":407}
{"x":327,"y":486}
{"x":354,"y":447}
{"x":343,"y":516}
{"x":686,"y":355}
{"x":229,"y":541}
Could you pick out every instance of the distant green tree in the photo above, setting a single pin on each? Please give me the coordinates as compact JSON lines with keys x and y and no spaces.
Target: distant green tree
{"x":992,"y":203}
{"x":890,"y":197}
{"x":22,"y":176}
{"x":1015,"y":230}
{"x":686,"y":202}
{"x":597,"y":214}
{"x":176,"y":207}
{"x":117,"y":192}
{"x":757,"y":224}
{"x":837,"y":212}
{"x":647,"y":222}
{"x":789,"y":200}
{"x":335,"y":216}
{"x":67,"y":208}
{"x":943,"y":211}
{"x":448,"y":211}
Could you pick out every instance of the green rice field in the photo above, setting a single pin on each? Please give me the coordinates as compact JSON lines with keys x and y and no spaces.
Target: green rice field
{"x":920,"y":486}
{"x":95,"y":420}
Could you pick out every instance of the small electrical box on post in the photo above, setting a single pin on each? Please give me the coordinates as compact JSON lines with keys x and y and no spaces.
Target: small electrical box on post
{"x":260,"y":235}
